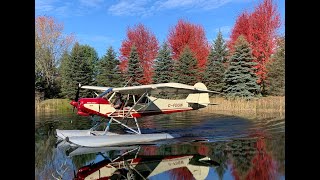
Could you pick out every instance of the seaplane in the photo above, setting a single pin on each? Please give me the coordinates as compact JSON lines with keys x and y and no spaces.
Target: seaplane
{"x":138,"y":101}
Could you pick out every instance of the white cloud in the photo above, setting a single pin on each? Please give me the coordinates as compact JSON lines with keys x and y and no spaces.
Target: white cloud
{"x":191,"y":4}
{"x":67,"y":8}
{"x":129,"y":7}
{"x":44,"y":5}
{"x":147,"y":7}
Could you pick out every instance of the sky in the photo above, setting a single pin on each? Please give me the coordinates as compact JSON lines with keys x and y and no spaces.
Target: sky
{"x":103,"y":23}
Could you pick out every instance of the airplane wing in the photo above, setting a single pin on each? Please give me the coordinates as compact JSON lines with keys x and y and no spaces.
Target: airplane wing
{"x":98,"y":88}
{"x":168,"y":88}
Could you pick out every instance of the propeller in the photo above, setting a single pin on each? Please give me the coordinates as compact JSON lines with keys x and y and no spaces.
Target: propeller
{"x":77,"y":96}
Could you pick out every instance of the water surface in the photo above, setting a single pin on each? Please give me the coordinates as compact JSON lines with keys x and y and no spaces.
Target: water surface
{"x":212,"y":145}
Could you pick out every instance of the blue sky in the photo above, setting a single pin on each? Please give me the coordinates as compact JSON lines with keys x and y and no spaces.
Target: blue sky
{"x":103,"y":23}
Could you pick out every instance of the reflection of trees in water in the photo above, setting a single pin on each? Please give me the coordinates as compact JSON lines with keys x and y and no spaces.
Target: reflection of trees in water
{"x":251,"y":160}
{"x":149,"y":150}
{"x":276,"y":147}
{"x":83,"y":159}
{"x":44,"y":144}
{"x":52,"y":164}
{"x":218,"y":153}
{"x":241,"y":153}
{"x":47,"y":158}
{"x":263,"y":166}
{"x":181,"y":173}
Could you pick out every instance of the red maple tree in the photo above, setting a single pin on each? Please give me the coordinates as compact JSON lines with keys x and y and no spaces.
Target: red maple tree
{"x":259,"y":28}
{"x":147,"y":46}
{"x":186,"y":33}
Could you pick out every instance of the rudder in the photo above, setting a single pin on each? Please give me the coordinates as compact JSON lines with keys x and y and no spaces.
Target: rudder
{"x":199,"y":100}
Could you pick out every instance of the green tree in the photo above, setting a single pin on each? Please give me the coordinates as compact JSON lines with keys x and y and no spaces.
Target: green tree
{"x":135,"y":71}
{"x":276,"y":70}
{"x":108,"y":70}
{"x":240,"y":78}
{"x":78,"y":67}
{"x":214,"y":73}
{"x":50,"y":43}
{"x":186,"y":68}
{"x":163,"y":70}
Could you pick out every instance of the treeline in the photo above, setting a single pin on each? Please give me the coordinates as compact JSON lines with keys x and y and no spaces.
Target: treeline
{"x":250,"y":64}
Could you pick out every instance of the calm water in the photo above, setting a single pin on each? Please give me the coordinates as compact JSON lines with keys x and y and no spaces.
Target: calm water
{"x":212,"y":146}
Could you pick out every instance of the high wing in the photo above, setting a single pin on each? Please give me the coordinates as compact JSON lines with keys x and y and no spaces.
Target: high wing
{"x":167,"y":88}
{"x":98,"y":88}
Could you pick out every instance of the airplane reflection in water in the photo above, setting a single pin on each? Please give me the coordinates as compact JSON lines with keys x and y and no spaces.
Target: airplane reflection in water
{"x":132,"y":164}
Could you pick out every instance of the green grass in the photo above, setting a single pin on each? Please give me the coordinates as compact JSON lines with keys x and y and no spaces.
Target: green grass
{"x":53,"y":105}
{"x":271,"y":106}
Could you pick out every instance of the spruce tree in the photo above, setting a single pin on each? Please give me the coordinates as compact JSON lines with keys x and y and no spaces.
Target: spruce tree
{"x":135,"y":71}
{"x":240,"y":79}
{"x":163,"y":66}
{"x":186,"y":68}
{"x":276,"y":71}
{"x":214,"y":73}
{"x":78,"y":67}
{"x":108,"y":70}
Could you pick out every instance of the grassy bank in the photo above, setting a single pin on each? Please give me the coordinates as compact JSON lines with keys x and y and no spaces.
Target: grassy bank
{"x":262,"y":105}
{"x":53,"y":105}
{"x":256,"y":108}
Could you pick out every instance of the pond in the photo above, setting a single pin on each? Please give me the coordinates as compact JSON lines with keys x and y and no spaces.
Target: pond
{"x":213,"y":145}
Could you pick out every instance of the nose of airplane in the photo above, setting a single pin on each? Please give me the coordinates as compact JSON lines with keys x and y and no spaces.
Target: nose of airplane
{"x":74,"y":103}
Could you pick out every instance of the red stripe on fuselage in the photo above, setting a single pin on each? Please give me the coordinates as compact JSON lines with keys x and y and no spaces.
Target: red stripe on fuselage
{"x":150,"y":112}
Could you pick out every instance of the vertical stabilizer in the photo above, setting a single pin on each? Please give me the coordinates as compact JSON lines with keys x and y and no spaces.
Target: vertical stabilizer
{"x":199,"y":100}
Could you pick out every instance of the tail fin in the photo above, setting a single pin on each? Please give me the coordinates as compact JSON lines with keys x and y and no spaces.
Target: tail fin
{"x":199,"y":100}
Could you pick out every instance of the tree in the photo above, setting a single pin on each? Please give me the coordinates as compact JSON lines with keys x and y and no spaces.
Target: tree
{"x":276,"y":70}
{"x":259,"y":28}
{"x":186,"y":33}
{"x":147,"y":49}
{"x":163,"y":70}
{"x":186,"y":68}
{"x":50,"y":44}
{"x":108,"y":70}
{"x":135,"y":71}
{"x":214,"y":74}
{"x":240,"y":79}
{"x":78,"y":67}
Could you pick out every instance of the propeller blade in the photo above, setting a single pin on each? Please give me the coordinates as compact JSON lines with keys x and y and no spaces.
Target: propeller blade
{"x":78,"y":91}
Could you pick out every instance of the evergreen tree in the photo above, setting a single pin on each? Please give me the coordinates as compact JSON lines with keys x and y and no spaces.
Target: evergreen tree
{"x":214,"y":73}
{"x":240,"y":79}
{"x":108,"y":70}
{"x":135,"y":71}
{"x":78,"y":67}
{"x":186,"y":68}
{"x":276,"y":71}
{"x":163,"y":66}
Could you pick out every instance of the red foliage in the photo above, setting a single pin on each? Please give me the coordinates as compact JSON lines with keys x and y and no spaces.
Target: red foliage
{"x":240,"y":28}
{"x":147,"y":47}
{"x":264,"y":167}
{"x":235,"y":172}
{"x":185,"y":33}
{"x":149,"y":150}
{"x":203,"y":150}
{"x":259,"y":28}
{"x":181,"y":173}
